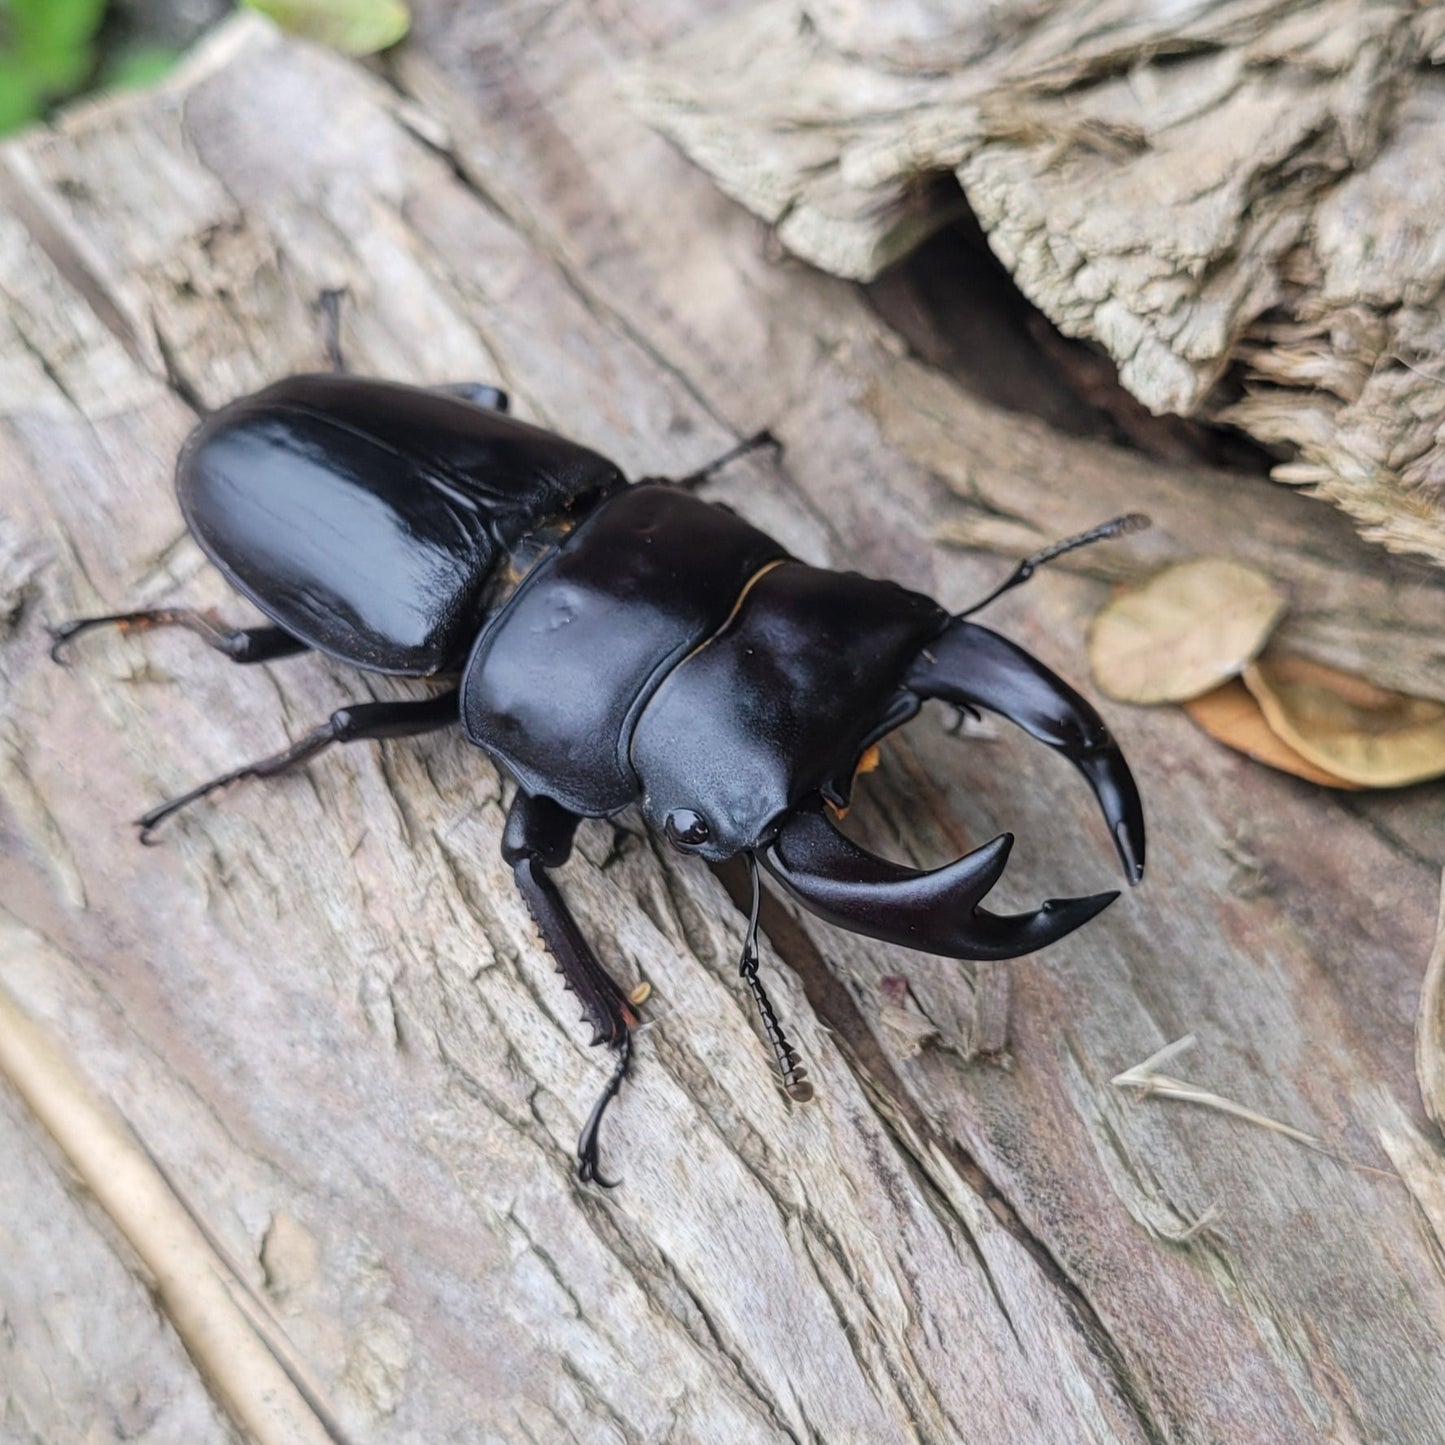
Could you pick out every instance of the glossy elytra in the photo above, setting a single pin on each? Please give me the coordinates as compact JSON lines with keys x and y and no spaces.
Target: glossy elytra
{"x":610,"y":644}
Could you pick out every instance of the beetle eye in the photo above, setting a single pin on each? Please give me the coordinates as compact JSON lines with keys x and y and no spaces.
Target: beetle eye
{"x":686,"y":829}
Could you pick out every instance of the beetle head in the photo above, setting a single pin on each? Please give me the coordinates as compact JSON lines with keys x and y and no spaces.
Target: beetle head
{"x":717,"y":803}
{"x":774,"y":706}
{"x":746,"y":738}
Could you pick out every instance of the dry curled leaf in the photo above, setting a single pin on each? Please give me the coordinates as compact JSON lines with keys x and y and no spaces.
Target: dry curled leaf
{"x":1348,"y":726}
{"x":1230,"y":715}
{"x":1183,"y":632}
{"x":1430,"y":1026}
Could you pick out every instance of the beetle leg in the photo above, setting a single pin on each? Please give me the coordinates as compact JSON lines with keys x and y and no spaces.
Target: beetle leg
{"x":538,"y":837}
{"x":240,"y":644}
{"x":476,"y":392}
{"x":329,"y":304}
{"x":754,"y":443}
{"x":346,"y":725}
{"x":971,"y":666}
{"x":936,"y":911}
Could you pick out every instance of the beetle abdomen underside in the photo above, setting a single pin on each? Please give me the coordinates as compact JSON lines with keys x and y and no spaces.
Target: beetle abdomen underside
{"x":559,"y":675}
{"x":367,"y":518}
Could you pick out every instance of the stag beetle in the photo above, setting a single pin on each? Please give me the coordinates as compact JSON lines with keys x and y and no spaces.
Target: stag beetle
{"x":612,"y":643}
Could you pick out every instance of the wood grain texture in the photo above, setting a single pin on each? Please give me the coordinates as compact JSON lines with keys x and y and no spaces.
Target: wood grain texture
{"x":1239,"y":196}
{"x":323,"y":1011}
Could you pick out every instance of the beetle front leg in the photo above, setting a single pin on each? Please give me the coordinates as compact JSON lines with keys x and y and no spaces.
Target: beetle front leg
{"x":538,"y":837}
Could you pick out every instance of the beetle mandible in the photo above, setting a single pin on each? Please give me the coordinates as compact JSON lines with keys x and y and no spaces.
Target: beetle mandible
{"x":613,"y":643}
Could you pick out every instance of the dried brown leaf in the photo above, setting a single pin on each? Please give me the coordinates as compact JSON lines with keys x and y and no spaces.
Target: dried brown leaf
{"x":1348,"y":726}
{"x":1183,"y":632}
{"x":1230,"y":715}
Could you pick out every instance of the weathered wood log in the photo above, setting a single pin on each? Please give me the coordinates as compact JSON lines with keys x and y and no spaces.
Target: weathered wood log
{"x":322,"y":1013}
{"x":1246,"y":193}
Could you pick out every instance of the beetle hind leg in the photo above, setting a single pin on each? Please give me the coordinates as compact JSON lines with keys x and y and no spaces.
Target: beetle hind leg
{"x":538,"y":837}
{"x":359,"y":722}
{"x":240,"y":644}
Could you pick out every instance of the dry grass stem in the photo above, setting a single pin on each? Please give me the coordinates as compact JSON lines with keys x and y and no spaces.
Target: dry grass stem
{"x":1144,"y":1078}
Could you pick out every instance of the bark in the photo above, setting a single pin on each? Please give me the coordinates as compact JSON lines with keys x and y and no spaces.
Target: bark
{"x":1243,"y":196}
{"x":311,"y":1048}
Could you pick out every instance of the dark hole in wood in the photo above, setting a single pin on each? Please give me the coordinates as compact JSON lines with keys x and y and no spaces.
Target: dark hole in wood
{"x":957,"y":307}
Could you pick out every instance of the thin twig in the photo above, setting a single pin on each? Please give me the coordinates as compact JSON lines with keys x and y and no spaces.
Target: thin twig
{"x":1151,"y":1083}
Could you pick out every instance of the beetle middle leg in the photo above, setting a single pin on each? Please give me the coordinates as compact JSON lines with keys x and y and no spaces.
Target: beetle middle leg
{"x":240,"y":644}
{"x":538,"y":837}
{"x":756,"y":442}
{"x":357,"y":723}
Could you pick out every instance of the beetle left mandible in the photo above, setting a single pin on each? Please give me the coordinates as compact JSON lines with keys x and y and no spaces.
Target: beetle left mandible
{"x":609,"y":644}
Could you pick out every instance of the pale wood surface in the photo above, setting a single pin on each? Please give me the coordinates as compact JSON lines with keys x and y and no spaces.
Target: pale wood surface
{"x":321,"y":1008}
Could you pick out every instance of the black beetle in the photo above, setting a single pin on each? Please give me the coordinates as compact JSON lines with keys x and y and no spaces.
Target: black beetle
{"x":613,"y":643}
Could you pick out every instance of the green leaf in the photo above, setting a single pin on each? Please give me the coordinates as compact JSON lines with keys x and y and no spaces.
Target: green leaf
{"x":139,"y":66}
{"x":19,"y":101}
{"x":54,"y":40}
{"x":357,"y":27}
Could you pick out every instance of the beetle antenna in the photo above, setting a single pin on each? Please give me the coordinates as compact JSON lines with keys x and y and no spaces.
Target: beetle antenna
{"x":1118,"y":527}
{"x":790,"y":1066}
{"x":754,"y":443}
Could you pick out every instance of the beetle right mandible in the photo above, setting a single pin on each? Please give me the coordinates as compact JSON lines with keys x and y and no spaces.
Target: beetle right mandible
{"x":612,"y":644}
